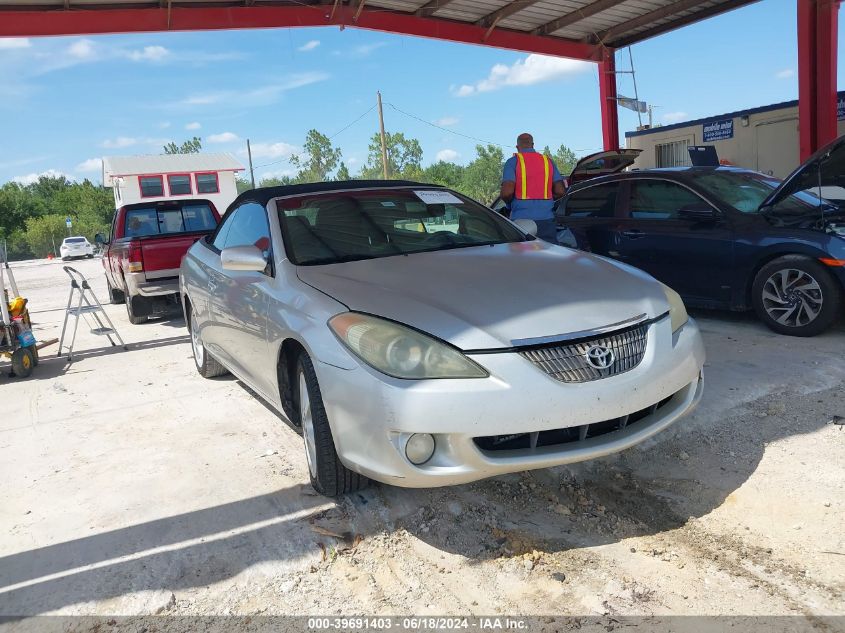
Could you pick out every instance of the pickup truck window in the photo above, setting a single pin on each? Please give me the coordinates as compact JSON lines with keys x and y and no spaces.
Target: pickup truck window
{"x":152,"y":221}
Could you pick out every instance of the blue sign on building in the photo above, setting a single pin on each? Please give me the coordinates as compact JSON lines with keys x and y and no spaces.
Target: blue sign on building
{"x":718,"y":130}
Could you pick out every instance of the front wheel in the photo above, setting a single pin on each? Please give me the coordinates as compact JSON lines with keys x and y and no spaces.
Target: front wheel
{"x":329,"y":476}
{"x":22,"y":362}
{"x":796,"y":296}
{"x":207,"y":366}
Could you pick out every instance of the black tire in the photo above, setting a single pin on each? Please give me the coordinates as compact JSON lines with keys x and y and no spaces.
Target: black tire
{"x":206,"y":364}
{"x":797,"y":296}
{"x":22,"y":362}
{"x":134,"y":320}
{"x":328,"y":475}
{"x":115,"y":296}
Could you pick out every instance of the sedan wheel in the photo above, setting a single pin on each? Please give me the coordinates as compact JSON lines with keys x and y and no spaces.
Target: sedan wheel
{"x":207,"y":366}
{"x":328,"y":474}
{"x":797,"y":296}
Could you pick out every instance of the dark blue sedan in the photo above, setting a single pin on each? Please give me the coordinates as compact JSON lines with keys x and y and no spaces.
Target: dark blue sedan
{"x":725,"y":237}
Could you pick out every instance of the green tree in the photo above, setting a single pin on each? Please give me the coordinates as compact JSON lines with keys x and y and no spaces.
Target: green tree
{"x":191,"y":146}
{"x":482,"y":178}
{"x":318,"y":159}
{"x":343,"y":172}
{"x":404,"y":157}
{"x":443,"y":173}
{"x":564,"y":158}
{"x":277,"y":181}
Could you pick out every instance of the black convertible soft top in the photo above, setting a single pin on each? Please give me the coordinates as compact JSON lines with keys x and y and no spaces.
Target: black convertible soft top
{"x":263,"y":195}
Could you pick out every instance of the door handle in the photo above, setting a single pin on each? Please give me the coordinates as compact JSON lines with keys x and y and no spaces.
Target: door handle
{"x":633,"y":234}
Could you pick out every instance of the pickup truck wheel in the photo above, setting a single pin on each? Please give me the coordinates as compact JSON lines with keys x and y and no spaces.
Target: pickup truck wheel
{"x":329,"y":476}
{"x":134,"y":320}
{"x":797,"y":296}
{"x":115,"y":296}
{"x":207,"y":366}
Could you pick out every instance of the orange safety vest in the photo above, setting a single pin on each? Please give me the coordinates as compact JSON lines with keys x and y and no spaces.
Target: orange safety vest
{"x":533,"y":176}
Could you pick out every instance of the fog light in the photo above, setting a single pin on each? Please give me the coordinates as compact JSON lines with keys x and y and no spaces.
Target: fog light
{"x":419,"y":448}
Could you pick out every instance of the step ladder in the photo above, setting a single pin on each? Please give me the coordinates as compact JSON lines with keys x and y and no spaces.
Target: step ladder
{"x":104,"y":326}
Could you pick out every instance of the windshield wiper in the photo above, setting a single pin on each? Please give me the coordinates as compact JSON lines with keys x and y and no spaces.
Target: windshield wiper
{"x":336,"y":260}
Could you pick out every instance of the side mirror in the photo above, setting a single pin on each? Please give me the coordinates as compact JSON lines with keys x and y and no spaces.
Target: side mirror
{"x":99,"y":239}
{"x":527,"y":226}
{"x":243,"y":258}
{"x":698,"y":212}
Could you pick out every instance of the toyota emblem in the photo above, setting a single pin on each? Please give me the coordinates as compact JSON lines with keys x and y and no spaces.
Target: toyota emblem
{"x":600,"y":357}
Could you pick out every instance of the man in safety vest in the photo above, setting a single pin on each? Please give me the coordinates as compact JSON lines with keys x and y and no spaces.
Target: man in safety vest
{"x":531,"y":183}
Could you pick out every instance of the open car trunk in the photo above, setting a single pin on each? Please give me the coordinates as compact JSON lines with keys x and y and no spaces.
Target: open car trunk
{"x":602,"y":164}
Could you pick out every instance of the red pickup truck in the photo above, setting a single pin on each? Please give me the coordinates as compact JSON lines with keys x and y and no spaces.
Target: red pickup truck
{"x":145,"y":249}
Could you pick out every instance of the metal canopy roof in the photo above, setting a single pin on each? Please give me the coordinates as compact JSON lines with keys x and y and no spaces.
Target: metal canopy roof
{"x":571,"y":28}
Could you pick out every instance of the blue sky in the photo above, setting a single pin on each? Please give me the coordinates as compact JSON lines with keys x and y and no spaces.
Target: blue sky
{"x":69,"y":101}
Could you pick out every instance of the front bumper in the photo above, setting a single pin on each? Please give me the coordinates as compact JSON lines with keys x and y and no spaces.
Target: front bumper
{"x":517,"y":398}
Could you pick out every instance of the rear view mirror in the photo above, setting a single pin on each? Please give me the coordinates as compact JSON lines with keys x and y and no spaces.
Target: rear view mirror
{"x":243,"y":258}
{"x":699,"y":212}
{"x":527,"y":226}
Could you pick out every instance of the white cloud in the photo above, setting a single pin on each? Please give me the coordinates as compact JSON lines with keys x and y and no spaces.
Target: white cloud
{"x":534,"y":69}
{"x":119,"y":142}
{"x":29,"y":179}
{"x":128,"y":141}
{"x":90,"y":165}
{"x":9,"y":43}
{"x":674,"y":117}
{"x":445,"y":121}
{"x":447,"y":155}
{"x":309,"y":46}
{"x":786,"y":73}
{"x":149,"y":53}
{"x":193,"y":126}
{"x":271,"y":150}
{"x":225,"y":137}
{"x":82,"y":49}
{"x":265,"y":95}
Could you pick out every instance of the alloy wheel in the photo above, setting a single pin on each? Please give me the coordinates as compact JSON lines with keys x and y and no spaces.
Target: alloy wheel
{"x":307,"y":420}
{"x":792,"y":297}
{"x":196,"y":343}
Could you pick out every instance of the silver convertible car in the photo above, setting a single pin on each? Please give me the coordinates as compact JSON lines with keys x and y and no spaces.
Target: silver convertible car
{"x":420,"y":339}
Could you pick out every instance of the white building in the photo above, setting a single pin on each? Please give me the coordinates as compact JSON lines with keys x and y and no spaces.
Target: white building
{"x":151,"y":178}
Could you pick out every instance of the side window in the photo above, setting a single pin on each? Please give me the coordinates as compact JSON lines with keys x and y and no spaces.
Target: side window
{"x":659,"y":199}
{"x":226,"y":223}
{"x":249,"y":227}
{"x":593,"y":202}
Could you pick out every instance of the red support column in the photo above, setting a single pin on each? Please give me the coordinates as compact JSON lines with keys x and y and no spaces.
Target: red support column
{"x":818,"y":22}
{"x":607,"y":94}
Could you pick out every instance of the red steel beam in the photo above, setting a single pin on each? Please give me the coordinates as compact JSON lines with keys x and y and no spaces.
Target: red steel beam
{"x":818,"y":22}
{"x":98,"y":21}
{"x":607,"y":94}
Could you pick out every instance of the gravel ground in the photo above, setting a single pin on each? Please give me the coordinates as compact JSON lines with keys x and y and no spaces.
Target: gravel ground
{"x":134,"y":487}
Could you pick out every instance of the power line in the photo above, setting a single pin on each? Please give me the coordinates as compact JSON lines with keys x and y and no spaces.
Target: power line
{"x":472,"y":138}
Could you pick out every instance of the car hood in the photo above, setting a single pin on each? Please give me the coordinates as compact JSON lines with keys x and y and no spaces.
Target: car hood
{"x":823,"y":169}
{"x":488,"y":297}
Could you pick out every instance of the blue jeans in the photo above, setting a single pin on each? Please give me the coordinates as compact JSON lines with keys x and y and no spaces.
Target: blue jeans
{"x":547,"y":230}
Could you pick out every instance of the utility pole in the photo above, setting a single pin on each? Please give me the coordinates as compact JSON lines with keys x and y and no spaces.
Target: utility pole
{"x":251,"y":172}
{"x":636,"y":94}
{"x":383,"y":142}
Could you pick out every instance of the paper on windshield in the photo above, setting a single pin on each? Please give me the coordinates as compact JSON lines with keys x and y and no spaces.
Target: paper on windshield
{"x":438,"y":197}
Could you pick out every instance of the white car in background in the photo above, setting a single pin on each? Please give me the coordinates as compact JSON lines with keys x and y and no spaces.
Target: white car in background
{"x":78,"y":246}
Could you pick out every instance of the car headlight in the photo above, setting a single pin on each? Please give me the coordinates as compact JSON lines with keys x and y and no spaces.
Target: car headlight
{"x":400,"y":351}
{"x":677,"y":309}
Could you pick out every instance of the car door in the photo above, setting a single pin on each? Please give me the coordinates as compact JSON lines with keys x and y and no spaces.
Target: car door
{"x":587,"y":220}
{"x":658,"y":234}
{"x":240,"y":299}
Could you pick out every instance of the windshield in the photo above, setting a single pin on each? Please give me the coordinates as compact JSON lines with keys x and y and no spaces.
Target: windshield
{"x":157,"y":220}
{"x":745,"y":191}
{"x":352,"y":225}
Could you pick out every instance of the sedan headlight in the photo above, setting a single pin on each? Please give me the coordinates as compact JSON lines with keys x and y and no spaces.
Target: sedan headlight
{"x":677,"y":310}
{"x":400,"y":351}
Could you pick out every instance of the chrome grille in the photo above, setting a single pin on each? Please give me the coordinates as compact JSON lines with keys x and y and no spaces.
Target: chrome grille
{"x":568,"y":363}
